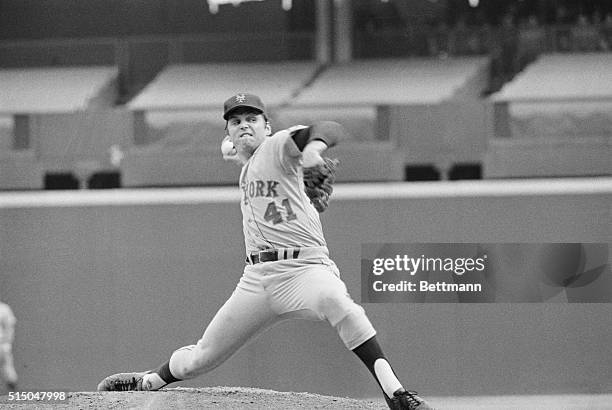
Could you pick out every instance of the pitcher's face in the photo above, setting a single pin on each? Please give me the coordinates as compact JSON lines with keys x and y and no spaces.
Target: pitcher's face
{"x":247,"y":130}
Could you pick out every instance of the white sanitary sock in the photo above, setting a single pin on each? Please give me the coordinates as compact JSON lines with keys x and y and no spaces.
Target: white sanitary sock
{"x":386,"y":377}
{"x":152,"y":381}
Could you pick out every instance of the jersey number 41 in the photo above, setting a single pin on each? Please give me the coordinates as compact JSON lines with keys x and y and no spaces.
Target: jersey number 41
{"x":274,"y":215}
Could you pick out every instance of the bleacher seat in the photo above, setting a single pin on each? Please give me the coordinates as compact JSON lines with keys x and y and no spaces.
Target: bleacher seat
{"x":182,"y":110}
{"x":47,"y":120}
{"x":561,"y":77}
{"x":56,"y":90}
{"x":558,"y":119}
{"x":411,"y":104}
{"x":206,"y":86}
{"x":393,"y":82}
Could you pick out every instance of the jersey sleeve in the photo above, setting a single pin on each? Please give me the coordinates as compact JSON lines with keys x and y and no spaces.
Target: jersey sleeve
{"x":330,"y":132}
{"x":293,"y":140}
{"x":288,"y":152}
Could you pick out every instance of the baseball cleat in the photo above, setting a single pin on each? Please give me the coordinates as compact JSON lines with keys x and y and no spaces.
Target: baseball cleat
{"x":123,"y":382}
{"x":407,"y":400}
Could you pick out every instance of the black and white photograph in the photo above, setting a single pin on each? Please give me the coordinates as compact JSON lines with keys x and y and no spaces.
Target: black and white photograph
{"x":306,"y":204}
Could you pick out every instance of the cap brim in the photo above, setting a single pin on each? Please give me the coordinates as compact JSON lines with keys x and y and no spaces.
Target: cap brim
{"x":229,"y":112}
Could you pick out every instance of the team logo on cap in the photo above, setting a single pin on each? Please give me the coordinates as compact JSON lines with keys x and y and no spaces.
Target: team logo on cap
{"x":240,"y":98}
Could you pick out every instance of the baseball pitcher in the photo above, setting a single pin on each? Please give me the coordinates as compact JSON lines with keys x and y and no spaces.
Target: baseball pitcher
{"x":285,"y":182}
{"x":7,"y":334}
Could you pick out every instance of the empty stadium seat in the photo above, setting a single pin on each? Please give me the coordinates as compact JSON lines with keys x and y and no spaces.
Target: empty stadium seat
{"x":181,"y":113}
{"x":392,"y":82}
{"x":207,"y":86}
{"x":56,"y":117}
{"x":555,"y":119}
{"x":57,"y":89}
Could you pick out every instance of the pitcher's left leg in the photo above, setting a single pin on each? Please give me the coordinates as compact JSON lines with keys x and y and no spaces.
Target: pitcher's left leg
{"x":324,"y":292}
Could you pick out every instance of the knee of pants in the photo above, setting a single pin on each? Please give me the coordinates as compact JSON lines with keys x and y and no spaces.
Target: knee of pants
{"x":355,"y":328}
{"x":334,"y":305}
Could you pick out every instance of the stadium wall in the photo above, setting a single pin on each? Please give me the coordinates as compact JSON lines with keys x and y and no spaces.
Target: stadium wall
{"x":112,"y":281}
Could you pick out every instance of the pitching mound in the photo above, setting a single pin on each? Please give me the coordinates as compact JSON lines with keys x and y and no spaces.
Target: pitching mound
{"x":202,"y":398}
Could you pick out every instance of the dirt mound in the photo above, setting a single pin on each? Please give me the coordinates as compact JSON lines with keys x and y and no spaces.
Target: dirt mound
{"x":201,"y":398}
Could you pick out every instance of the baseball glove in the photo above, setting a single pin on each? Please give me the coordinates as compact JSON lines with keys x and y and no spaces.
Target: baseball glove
{"x":318,"y":182}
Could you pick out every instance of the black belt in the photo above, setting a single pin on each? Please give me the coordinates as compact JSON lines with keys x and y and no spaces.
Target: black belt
{"x":272,"y":255}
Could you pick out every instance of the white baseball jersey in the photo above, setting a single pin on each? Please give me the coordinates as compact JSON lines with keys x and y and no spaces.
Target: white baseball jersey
{"x":7,"y":323}
{"x":276,"y":212}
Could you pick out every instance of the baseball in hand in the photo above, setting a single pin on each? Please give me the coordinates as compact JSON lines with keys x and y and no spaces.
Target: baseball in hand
{"x":227,"y":148}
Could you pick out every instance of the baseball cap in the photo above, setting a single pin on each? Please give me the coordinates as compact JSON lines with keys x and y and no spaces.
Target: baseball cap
{"x":242,"y":100}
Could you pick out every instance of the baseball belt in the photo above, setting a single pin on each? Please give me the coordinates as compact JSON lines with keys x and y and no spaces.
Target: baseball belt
{"x":272,"y":255}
